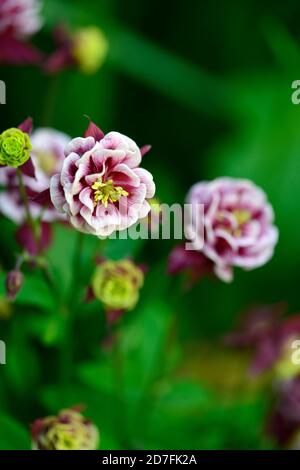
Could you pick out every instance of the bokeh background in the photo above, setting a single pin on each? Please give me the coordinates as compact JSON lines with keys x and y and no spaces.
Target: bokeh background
{"x":208,"y":84}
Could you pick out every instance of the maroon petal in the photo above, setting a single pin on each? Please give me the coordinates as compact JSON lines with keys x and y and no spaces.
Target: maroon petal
{"x":14,"y":51}
{"x":145,"y":149}
{"x":61,"y":35}
{"x":26,"y":126}
{"x":89,"y":294}
{"x":43,"y":198}
{"x":190,"y":261}
{"x":58,"y":61}
{"x":28,"y":168}
{"x":94,"y":131}
{"x":25,"y":238}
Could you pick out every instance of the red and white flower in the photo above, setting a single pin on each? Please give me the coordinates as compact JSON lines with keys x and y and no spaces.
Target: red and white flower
{"x":101,"y":187}
{"x":238,"y":224}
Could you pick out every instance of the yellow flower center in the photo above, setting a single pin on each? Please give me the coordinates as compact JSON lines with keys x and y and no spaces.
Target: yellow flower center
{"x":242,"y":216}
{"x":107,"y":192}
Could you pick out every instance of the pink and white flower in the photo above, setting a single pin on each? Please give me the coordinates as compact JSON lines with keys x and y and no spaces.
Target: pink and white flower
{"x":20,"y":18}
{"x":101,"y":187}
{"x":47,"y":156}
{"x":238,"y":224}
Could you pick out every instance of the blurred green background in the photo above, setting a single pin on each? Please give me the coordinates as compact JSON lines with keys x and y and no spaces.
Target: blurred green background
{"x":208,"y":84}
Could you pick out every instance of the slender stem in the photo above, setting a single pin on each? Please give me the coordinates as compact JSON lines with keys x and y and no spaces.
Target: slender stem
{"x":67,"y":351}
{"x":25,"y":201}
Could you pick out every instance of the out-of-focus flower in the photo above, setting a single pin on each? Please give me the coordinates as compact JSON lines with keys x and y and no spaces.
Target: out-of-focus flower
{"x":117,"y":284}
{"x":47,"y":157}
{"x":284,"y":421}
{"x":69,"y":430}
{"x":85,"y":49}
{"x":270,"y":338}
{"x":101,"y":187}
{"x":14,"y":282}
{"x":15,"y":147}
{"x":19,"y":20}
{"x":89,"y":49}
{"x":238,"y":224}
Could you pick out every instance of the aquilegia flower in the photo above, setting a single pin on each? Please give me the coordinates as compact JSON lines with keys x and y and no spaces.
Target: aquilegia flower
{"x":47,"y":156}
{"x":238,"y":224}
{"x":101,"y":187}
{"x":19,"y":20}
{"x":70,"y":430}
{"x":117,"y":285}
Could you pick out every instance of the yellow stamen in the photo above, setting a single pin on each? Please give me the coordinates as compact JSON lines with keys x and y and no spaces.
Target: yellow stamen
{"x":242,"y":216}
{"x":107,"y":192}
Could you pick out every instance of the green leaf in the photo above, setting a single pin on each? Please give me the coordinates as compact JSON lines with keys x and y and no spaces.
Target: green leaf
{"x":13,"y":435}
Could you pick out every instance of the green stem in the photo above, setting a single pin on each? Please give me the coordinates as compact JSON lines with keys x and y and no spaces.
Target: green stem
{"x":29,"y":219}
{"x":67,"y":351}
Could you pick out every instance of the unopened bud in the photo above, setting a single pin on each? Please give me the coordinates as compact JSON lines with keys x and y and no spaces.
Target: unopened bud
{"x":14,"y":282}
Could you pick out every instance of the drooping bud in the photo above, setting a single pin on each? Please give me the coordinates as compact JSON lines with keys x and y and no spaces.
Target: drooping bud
{"x":15,"y":147}
{"x":69,"y":430}
{"x":14,"y":282}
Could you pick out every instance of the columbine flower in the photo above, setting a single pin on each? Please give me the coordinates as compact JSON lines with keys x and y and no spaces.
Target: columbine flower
{"x":117,"y":284}
{"x":238,"y":224}
{"x":85,"y":49}
{"x":101,"y":187}
{"x":15,"y":147}
{"x":70,"y":430}
{"x":19,"y":19}
{"x":47,"y":156}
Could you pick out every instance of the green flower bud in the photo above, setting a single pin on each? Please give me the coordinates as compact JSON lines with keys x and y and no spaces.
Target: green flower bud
{"x":70,"y":430}
{"x":116,"y":284}
{"x":15,"y":147}
{"x":89,"y":49}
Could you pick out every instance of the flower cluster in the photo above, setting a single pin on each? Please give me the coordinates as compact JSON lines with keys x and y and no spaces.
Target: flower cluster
{"x":69,"y":430}
{"x":101,"y":187}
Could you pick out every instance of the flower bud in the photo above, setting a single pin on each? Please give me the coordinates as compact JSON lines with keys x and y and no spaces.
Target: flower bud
{"x":15,"y":147}
{"x":117,"y":283}
{"x":89,"y":49}
{"x":14,"y":282}
{"x":69,"y":430}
